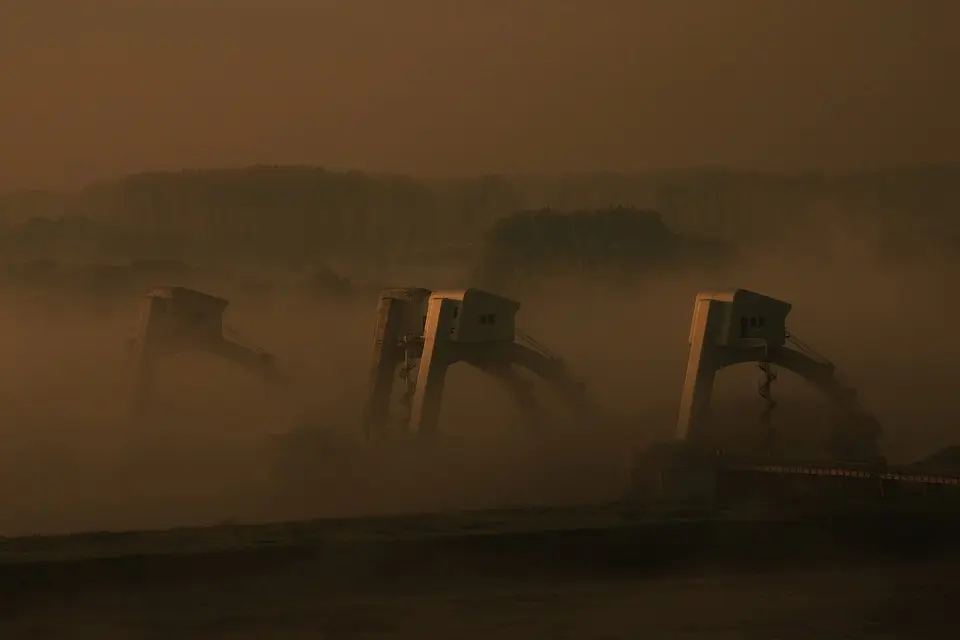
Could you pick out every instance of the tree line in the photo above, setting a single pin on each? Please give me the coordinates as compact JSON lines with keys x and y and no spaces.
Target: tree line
{"x":302,"y":214}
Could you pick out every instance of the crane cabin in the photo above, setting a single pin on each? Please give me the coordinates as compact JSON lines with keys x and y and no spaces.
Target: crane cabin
{"x":475,"y":315}
{"x":739,"y":318}
{"x":182,"y":313}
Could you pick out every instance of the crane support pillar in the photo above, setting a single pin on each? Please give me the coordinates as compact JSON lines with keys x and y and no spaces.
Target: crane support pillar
{"x":387,"y":355}
{"x":436,"y":359}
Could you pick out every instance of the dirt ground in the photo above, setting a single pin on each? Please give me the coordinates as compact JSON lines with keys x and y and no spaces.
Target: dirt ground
{"x":896,"y":601}
{"x":911,"y":603}
{"x":870,"y":575}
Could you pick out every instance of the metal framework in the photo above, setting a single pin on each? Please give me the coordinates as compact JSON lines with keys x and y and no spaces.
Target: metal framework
{"x":175,"y":319}
{"x":420,"y":334}
{"x":740,"y":326}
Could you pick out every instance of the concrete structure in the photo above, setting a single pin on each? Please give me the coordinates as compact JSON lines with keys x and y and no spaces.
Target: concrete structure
{"x":428,"y":332}
{"x":174,"y":319}
{"x":738,"y":326}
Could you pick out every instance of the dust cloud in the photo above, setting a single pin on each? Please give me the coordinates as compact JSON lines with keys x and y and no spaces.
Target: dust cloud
{"x":72,"y":460}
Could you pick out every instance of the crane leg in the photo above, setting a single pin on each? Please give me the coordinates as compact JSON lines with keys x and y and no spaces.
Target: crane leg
{"x":144,"y":354}
{"x":436,"y":359}
{"x":387,"y":354}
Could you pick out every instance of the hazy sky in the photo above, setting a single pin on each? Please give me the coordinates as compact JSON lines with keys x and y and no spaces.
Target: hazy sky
{"x":440,"y":87}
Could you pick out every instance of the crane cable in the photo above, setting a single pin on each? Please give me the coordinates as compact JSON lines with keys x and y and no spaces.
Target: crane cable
{"x":535,"y":345}
{"x":806,"y":348}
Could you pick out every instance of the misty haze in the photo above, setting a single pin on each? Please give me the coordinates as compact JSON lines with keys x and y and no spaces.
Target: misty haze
{"x":600,"y":163}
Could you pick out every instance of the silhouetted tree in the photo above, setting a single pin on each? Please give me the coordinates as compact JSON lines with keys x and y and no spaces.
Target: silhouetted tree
{"x":297,"y":214}
{"x":619,"y":240}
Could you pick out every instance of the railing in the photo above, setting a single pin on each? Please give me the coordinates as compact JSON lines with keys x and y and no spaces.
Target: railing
{"x":849,"y":472}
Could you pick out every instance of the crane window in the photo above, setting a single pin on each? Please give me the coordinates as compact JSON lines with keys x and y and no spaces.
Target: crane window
{"x":761,"y":322}
{"x":743,"y":327}
{"x":488,"y":318}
